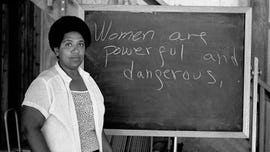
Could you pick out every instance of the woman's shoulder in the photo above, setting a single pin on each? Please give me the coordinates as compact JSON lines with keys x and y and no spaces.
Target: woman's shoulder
{"x":48,"y":74}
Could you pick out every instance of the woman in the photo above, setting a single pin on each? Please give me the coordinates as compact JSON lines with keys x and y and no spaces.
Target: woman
{"x":63,"y":108}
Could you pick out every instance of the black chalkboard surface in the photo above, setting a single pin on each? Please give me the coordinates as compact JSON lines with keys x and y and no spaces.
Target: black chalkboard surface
{"x":172,"y":69}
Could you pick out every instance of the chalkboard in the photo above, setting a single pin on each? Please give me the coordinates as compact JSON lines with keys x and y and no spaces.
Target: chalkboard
{"x":180,"y":71}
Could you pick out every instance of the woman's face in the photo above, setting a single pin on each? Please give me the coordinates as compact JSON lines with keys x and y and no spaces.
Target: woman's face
{"x":71,"y":51}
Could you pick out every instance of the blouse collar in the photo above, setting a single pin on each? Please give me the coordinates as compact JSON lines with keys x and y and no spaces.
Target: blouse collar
{"x":64,"y":75}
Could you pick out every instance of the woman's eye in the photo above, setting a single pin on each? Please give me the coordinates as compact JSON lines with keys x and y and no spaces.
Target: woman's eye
{"x":68,"y":45}
{"x":82,"y":44}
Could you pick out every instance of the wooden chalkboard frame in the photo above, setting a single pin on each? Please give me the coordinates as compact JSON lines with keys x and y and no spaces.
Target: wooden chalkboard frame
{"x":247,"y":11}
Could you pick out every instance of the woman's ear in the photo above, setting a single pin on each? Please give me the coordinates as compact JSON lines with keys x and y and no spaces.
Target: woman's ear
{"x":56,"y":51}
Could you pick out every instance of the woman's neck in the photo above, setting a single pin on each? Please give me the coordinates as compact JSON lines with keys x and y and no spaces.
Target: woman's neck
{"x":72,"y":73}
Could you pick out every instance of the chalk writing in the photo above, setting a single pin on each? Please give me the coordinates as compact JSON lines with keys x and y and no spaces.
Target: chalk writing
{"x":116,"y":50}
{"x":163,"y":71}
{"x":219,"y":58}
{"x":170,"y":51}
{"x":181,"y":37}
{"x":107,"y":34}
{"x":169,"y":74}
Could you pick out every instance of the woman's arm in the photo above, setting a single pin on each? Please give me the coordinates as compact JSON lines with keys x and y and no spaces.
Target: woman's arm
{"x":105,"y":143}
{"x":31,"y":124}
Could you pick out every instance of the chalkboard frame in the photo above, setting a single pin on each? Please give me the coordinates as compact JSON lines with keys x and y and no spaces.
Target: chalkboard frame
{"x":247,"y":11}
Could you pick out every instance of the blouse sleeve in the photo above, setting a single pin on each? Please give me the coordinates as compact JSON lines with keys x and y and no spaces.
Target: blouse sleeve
{"x":37,"y":96}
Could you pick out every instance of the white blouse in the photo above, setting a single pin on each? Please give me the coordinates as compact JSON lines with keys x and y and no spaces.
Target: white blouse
{"x":50,"y":94}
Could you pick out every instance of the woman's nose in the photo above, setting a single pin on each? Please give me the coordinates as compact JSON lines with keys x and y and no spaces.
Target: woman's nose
{"x":76,"y":48}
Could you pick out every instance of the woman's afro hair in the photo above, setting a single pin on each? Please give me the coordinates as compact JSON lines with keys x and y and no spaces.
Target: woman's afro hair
{"x":68,"y":24}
